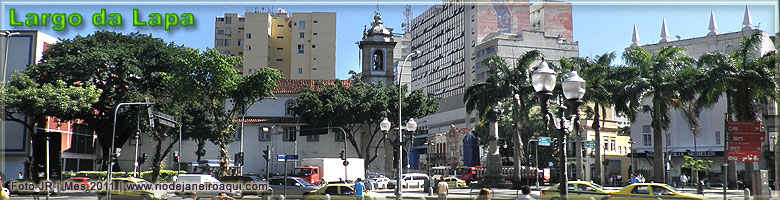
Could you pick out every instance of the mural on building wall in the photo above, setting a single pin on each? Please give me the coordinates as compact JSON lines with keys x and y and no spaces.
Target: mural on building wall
{"x":557,"y":20}
{"x":506,"y":16}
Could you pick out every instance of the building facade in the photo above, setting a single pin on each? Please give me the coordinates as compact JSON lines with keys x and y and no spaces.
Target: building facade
{"x":24,"y":49}
{"x":300,"y":45}
{"x":448,"y":36}
{"x":678,"y":139}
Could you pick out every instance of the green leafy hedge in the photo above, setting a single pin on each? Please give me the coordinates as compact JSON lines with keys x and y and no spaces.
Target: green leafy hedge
{"x":165,"y":175}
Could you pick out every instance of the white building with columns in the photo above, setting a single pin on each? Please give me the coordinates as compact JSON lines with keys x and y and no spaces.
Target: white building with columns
{"x":678,"y":139}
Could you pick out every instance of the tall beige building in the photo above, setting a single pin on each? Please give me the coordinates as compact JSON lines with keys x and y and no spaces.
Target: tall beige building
{"x":301,"y":45}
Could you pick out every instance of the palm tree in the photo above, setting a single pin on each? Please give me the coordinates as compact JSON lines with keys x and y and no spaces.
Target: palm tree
{"x":506,"y":84}
{"x":601,"y":80}
{"x":658,"y":77}
{"x":746,"y":80}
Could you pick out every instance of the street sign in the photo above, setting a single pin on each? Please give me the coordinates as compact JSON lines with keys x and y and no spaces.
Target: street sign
{"x":282,"y":158}
{"x":745,"y":141}
{"x":546,"y":173}
{"x":590,"y":144}
{"x":165,"y":119}
{"x":544,"y":141}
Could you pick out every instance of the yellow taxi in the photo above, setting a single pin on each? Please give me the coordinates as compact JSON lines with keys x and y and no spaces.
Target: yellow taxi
{"x":339,"y":191}
{"x":652,"y":191}
{"x":578,"y":190}
{"x":453,"y":182}
{"x":123,"y":190}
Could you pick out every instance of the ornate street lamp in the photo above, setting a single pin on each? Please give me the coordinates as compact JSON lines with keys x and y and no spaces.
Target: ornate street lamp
{"x":543,"y":81}
{"x":411,"y":126}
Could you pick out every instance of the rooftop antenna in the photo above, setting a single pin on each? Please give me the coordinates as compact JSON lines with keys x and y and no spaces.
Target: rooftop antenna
{"x":407,"y":25}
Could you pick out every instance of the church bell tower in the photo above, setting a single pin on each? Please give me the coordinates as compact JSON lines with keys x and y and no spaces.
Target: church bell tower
{"x":377,"y":53}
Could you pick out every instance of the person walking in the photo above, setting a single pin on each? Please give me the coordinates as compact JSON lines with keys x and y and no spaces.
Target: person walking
{"x":442,"y":189}
{"x":683,"y":180}
{"x":526,"y":193}
{"x":633,"y":179}
{"x":484,"y":194}
{"x":359,"y":189}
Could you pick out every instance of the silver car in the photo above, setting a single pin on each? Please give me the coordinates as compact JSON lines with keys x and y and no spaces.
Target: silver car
{"x":295,"y":186}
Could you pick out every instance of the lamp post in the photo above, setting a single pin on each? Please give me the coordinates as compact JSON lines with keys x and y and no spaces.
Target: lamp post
{"x":535,"y":138}
{"x":543,"y":82}
{"x":7,"y":35}
{"x":633,"y":164}
{"x":113,"y":150}
{"x":411,"y":126}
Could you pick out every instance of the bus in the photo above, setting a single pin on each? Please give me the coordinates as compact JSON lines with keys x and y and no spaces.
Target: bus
{"x":473,"y":174}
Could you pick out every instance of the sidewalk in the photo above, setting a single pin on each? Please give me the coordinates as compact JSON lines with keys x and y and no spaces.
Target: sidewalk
{"x":510,"y":194}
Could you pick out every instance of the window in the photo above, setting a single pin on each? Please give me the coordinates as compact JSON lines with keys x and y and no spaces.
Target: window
{"x":279,"y":59}
{"x":658,"y":190}
{"x":248,"y":48}
{"x":314,"y":33}
{"x":300,"y":70}
{"x":646,"y":128}
{"x":668,"y":139}
{"x":313,"y":138}
{"x":300,"y":49}
{"x":302,"y":25}
{"x":263,"y":135}
{"x":479,"y":65}
{"x":313,"y":46}
{"x":248,"y":36}
{"x":240,"y":53}
{"x":480,"y":53}
{"x":332,"y":190}
{"x":315,"y":21}
{"x":279,"y":37}
{"x":228,"y":20}
{"x":290,"y":134}
{"x":491,"y":49}
{"x":240,"y":42}
{"x":240,"y":19}
{"x":647,"y":140}
{"x":220,"y":32}
{"x":301,"y":34}
{"x":640,"y":189}
{"x":280,"y":25}
{"x":227,"y":42}
{"x":279,"y":48}
{"x":339,"y":137}
{"x":220,"y":19}
{"x":717,"y":137}
{"x":288,"y":107}
{"x":227,"y":31}
{"x":220,"y":42}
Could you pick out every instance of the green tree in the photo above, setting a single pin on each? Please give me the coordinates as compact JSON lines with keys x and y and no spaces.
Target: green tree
{"x":29,"y":103}
{"x":659,"y":78}
{"x":358,"y":107}
{"x":122,"y":66}
{"x":506,"y":84}
{"x":204,"y":83}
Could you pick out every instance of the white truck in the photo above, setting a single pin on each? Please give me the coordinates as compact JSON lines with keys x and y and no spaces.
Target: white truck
{"x":319,"y":171}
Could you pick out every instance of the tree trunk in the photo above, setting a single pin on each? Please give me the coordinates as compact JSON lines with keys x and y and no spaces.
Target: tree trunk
{"x":598,"y":173}
{"x":519,"y":148}
{"x":659,"y":168}
{"x":157,"y":161}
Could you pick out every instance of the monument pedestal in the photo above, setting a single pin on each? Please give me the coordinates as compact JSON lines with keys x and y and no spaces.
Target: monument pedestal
{"x":493,"y":177}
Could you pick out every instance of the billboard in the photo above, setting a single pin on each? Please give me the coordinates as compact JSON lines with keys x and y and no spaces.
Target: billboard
{"x":745,"y":141}
{"x":505,"y":16}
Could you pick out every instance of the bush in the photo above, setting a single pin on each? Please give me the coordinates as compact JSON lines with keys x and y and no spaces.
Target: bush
{"x":165,"y":175}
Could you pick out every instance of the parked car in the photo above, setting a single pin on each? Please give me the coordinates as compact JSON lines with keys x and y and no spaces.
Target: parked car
{"x":652,"y":191}
{"x":295,"y":186}
{"x":375,"y":176}
{"x":203,"y":179}
{"x":244,"y":181}
{"x":381,"y":182}
{"x":138,"y":193}
{"x":578,"y":190}
{"x":338,"y":192}
{"x":414,"y":180}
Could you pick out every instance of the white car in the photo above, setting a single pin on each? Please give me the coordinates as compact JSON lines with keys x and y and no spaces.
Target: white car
{"x":202,"y":179}
{"x":381,"y":182}
{"x":414,"y":180}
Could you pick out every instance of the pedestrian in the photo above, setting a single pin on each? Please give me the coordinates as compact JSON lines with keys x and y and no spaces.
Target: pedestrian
{"x":526,"y":193}
{"x":20,"y":176}
{"x":359,"y":188}
{"x":633,"y":179}
{"x":683,"y":180}
{"x":442,"y":189}
{"x":484,"y":194}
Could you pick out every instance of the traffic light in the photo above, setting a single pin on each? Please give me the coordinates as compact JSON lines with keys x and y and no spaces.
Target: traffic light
{"x":143,"y":158}
{"x":343,"y":154}
{"x":176,"y":156}
{"x":240,"y":158}
{"x":266,"y":155}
